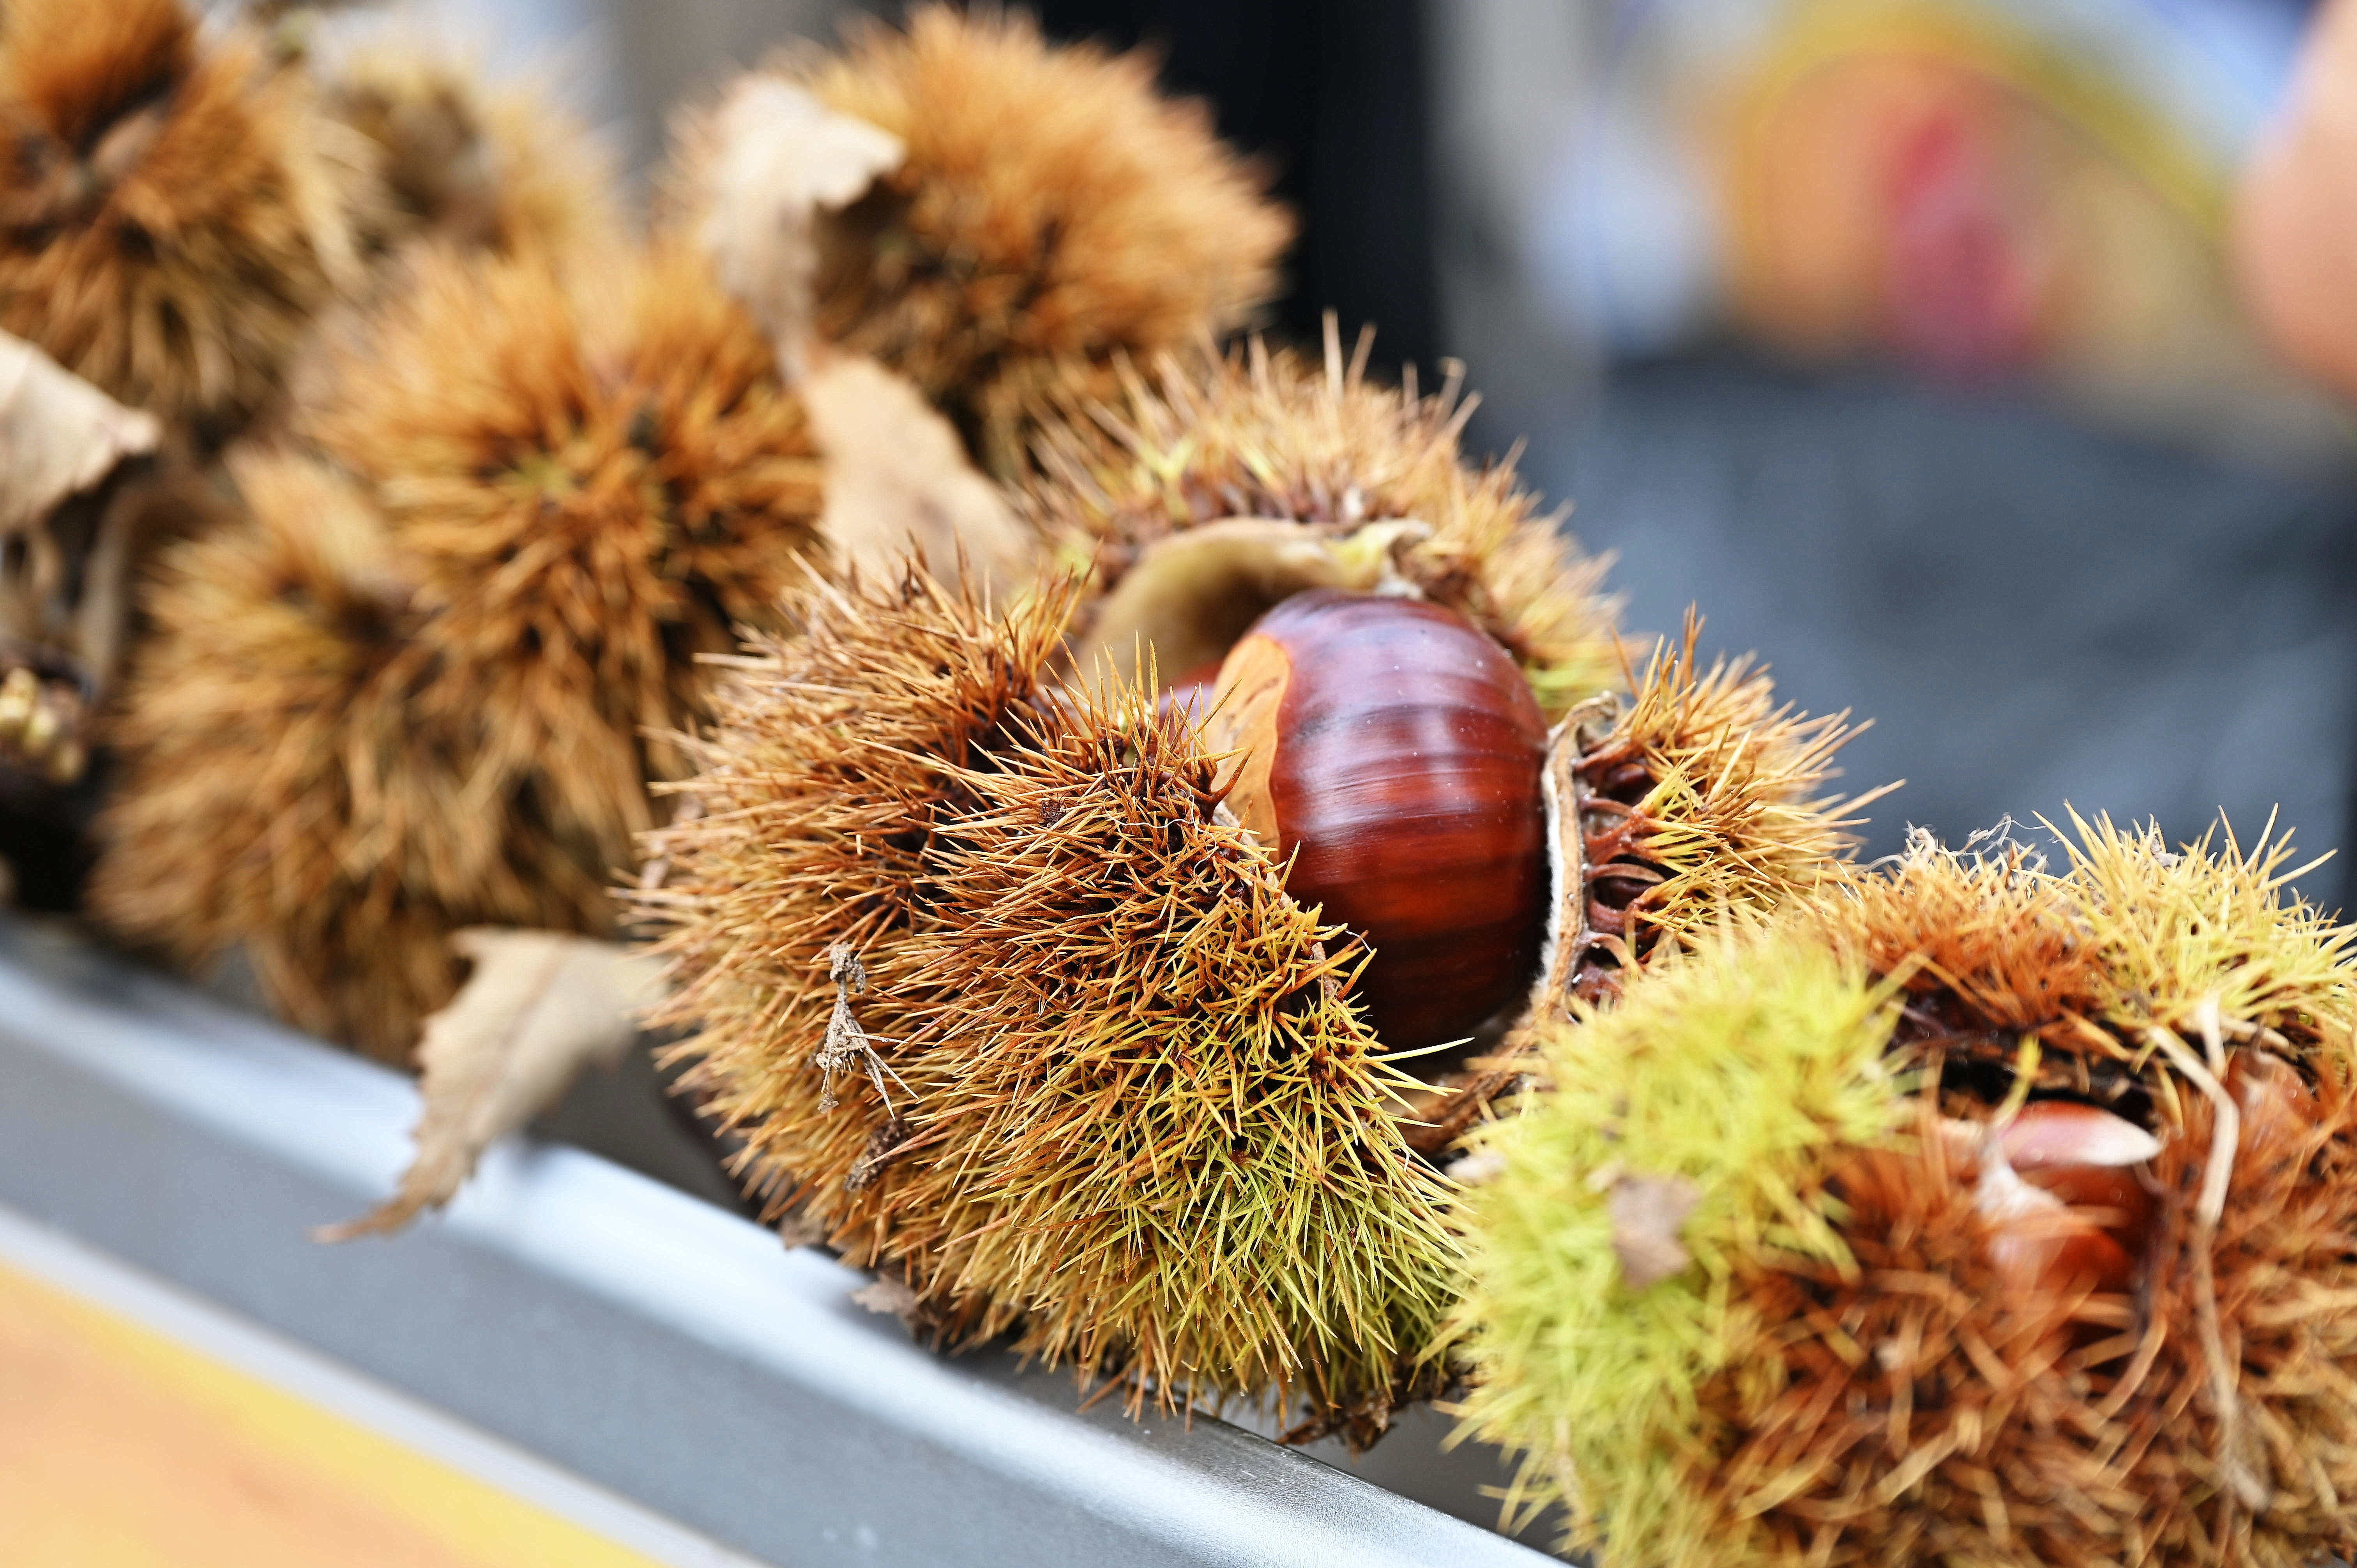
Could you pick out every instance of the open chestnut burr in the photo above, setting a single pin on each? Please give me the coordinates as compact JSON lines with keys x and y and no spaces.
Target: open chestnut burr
{"x":1966,"y":1209}
{"x":1390,"y":752}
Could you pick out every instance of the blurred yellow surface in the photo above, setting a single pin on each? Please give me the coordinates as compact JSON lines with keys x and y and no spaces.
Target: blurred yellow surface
{"x":120,"y":1448}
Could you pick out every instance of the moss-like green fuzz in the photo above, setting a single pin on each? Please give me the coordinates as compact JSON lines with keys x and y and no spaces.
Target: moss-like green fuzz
{"x":1733,"y":1068}
{"x":1842,"y":1372}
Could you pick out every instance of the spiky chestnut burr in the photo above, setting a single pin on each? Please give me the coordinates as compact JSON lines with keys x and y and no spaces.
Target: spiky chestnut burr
{"x":175,"y":208}
{"x":1317,"y":453}
{"x":1696,"y":797}
{"x":1105,"y":1087}
{"x":1844,"y":1360}
{"x":467,"y":164}
{"x":1052,"y":214}
{"x":1120,"y":1104}
{"x":547,"y":502}
{"x":1389,"y":755}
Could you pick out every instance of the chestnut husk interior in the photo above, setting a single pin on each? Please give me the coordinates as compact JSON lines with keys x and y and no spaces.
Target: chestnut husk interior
{"x":1584,"y":947}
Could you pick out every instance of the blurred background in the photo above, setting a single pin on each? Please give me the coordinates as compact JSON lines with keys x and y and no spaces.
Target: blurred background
{"x":1897,"y":335}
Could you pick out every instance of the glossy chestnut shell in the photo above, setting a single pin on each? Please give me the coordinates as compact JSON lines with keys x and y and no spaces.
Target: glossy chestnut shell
{"x":1391,"y":751}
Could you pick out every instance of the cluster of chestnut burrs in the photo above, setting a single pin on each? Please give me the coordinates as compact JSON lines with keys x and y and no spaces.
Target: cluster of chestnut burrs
{"x":1147,"y":847}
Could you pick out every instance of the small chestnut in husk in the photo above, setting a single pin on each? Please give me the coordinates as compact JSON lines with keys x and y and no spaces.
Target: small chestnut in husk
{"x":2064,"y":1202}
{"x":1391,"y":751}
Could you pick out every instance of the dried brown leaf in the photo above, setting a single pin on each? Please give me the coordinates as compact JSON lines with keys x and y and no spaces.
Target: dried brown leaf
{"x":65,"y":579}
{"x":888,"y":1295}
{"x":802,"y":1229}
{"x":897,"y":481}
{"x":540,"y":1007}
{"x":1648,"y":1212}
{"x":58,"y":435}
{"x":780,"y":155}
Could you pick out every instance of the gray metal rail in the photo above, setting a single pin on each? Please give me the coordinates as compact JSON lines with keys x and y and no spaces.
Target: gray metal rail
{"x":647,"y":1342}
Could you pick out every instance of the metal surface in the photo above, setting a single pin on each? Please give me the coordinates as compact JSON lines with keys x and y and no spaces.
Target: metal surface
{"x":296,"y":1453}
{"x":650,"y":1343}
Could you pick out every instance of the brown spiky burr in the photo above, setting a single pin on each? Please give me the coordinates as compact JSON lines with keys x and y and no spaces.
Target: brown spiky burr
{"x":2011,"y":1224}
{"x":547,"y":499}
{"x":1052,"y":214}
{"x":1001,"y":998}
{"x":989,"y":949}
{"x":468,"y":164}
{"x":176,"y":209}
{"x":1264,"y":436}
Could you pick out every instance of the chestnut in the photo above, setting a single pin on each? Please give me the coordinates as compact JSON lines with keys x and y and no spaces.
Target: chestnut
{"x":2064,"y":1202}
{"x":1391,"y":752}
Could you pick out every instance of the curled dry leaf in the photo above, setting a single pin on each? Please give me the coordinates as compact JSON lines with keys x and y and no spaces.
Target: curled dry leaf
{"x":1648,"y":1212}
{"x":64,"y":590}
{"x":896,"y":474}
{"x":540,"y":1006}
{"x":1194,"y":593}
{"x":781,"y":156}
{"x":888,"y":1295}
{"x":898,"y":480}
{"x":58,"y":435}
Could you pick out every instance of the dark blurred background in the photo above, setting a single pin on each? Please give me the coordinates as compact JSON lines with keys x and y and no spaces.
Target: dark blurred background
{"x":1897,"y":336}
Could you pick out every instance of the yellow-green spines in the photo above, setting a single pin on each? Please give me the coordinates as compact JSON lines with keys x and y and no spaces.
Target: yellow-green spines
{"x":2213,"y":925}
{"x":1869,"y":1386}
{"x":1264,"y":434}
{"x":175,"y":208}
{"x":1737,"y":1069}
{"x":572,"y":498}
{"x":1160,"y":1119}
{"x":1713,"y":794}
{"x":1123,"y":1108}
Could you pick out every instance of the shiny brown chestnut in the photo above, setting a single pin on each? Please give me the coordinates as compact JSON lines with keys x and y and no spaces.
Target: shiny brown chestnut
{"x":1391,"y":751}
